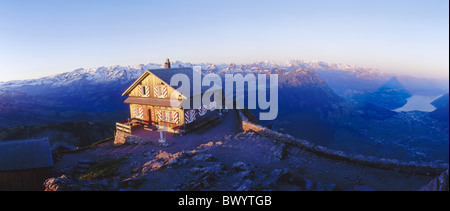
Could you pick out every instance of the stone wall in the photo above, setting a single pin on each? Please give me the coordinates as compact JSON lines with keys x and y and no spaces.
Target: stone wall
{"x":413,"y":167}
{"x":126,"y":138}
{"x":120,"y":137}
{"x":439,"y":183}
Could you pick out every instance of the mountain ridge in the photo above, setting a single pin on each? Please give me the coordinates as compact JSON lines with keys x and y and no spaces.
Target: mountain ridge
{"x":346,"y":80}
{"x":103,"y":72}
{"x":305,"y":96}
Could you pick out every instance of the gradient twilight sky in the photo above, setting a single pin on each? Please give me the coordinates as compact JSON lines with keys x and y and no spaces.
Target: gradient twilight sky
{"x":44,"y":37}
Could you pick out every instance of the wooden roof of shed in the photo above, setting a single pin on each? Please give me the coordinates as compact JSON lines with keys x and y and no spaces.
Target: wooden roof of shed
{"x":25,"y":154}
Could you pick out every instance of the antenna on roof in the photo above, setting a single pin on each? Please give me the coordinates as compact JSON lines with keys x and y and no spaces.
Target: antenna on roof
{"x":167,"y":64}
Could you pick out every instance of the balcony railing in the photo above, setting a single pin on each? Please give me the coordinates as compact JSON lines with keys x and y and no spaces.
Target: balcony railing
{"x":129,"y":126}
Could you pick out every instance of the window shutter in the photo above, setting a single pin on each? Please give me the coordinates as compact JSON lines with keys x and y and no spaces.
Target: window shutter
{"x":160,"y":91}
{"x":176,"y":117}
{"x":140,"y":91}
{"x":202,"y":111}
{"x":212,"y":106}
{"x":164,"y":92}
{"x":156,"y":91}
{"x":164,"y":116}
{"x":138,"y":112}
{"x":147,"y":91}
{"x":189,"y":116}
{"x":160,"y":115}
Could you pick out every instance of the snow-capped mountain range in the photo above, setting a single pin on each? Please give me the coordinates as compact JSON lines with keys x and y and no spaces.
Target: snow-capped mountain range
{"x":127,"y":73}
{"x":96,"y":75}
{"x":346,"y":80}
{"x":93,"y":93}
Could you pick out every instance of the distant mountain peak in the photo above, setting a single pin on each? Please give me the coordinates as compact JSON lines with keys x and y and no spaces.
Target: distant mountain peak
{"x":393,"y":83}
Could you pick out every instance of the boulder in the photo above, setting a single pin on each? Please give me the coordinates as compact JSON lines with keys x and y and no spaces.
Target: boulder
{"x":278,"y":151}
{"x":279,"y":175}
{"x":152,"y":165}
{"x":65,"y":183}
{"x":240,"y":166}
{"x":196,"y":170}
{"x":309,"y":185}
{"x":133,"y":181}
{"x":203,"y":158}
{"x":215,"y":169}
{"x":245,"y":174}
{"x":246,"y":186}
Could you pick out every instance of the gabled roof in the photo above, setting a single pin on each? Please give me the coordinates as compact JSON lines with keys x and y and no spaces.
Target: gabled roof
{"x":166,"y":75}
{"x":136,"y":83}
{"x":25,"y":154}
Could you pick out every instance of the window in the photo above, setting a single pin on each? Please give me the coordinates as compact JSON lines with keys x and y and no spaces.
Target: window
{"x":138,"y":112}
{"x":168,"y":116}
{"x":144,"y":91}
{"x":160,"y":91}
{"x":189,"y":116}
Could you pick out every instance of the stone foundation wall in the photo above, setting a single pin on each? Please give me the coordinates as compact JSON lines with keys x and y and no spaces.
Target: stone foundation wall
{"x":122,"y":138}
{"x":413,"y":167}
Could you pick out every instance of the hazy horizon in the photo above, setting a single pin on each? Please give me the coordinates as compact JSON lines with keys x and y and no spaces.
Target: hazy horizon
{"x":280,"y":63}
{"x":47,"y":37}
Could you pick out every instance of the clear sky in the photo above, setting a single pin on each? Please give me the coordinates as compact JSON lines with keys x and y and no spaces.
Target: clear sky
{"x":45,"y":37}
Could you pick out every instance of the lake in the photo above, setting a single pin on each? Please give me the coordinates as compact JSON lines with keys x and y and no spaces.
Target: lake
{"x":419,"y":103}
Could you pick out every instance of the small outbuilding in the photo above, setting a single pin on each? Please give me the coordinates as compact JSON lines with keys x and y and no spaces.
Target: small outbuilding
{"x":24,"y":164}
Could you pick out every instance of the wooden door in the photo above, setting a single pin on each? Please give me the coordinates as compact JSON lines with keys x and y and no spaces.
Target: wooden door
{"x":147,"y":116}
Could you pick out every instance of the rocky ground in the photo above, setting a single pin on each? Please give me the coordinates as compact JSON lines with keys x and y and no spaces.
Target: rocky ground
{"x":241,"y":161}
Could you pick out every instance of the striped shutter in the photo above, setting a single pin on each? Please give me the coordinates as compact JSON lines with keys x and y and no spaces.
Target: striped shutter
{"x":169,"y":116}
{"x":138,"y":112}
{"x":160,"y":91}
{"x":144,"y":91}
{"x":160,"y":115}
{"x":156,"y":91}
{"x":147,"y":91}
{"x":175,"y":117}
{"x":164,"y":93}
{"x":212,"y":106}
{"x":202,"y":111}
{"x":141,"y":91}
{"x":189,"y":116}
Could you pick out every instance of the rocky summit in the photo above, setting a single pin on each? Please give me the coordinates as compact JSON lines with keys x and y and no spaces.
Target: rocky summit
{"x":233,"y":160}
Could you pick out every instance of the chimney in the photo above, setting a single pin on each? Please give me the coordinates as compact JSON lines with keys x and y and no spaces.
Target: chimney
{"x":167,"y":64}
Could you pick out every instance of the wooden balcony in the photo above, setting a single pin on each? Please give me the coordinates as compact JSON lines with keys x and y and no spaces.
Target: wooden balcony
{"x":129,"y":126}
